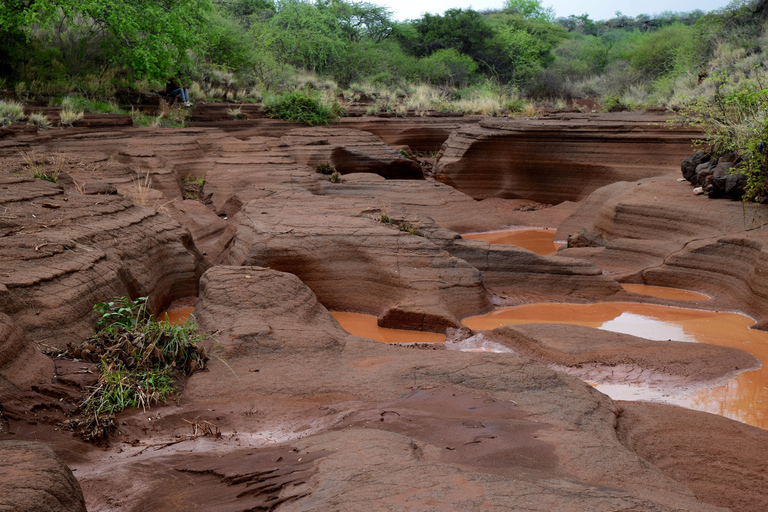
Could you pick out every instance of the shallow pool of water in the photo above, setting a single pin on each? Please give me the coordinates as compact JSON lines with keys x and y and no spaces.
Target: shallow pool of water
{"x":366,"y":326}
{"x":540,"y":241}
{"x":177,"y":316}
{"x":745,"y":398}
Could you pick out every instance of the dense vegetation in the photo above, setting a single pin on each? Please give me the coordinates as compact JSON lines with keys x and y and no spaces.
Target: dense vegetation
{"x":491,"y":62}
{"x":241,"y":49}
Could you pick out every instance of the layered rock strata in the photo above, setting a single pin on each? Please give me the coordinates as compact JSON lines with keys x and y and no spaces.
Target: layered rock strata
{"x":657,"y":234}
{"x":558,"y":160}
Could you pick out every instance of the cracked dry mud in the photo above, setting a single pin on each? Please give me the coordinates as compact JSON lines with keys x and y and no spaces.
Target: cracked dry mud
{"x":313,"y":418}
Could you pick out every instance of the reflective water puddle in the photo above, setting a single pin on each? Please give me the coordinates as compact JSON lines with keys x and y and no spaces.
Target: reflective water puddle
{"x":540,"y":241}
{"x":176,"y":316}
{"x":744,"y":398}
{"x":662,"y":292}
{"x":365,"y":326}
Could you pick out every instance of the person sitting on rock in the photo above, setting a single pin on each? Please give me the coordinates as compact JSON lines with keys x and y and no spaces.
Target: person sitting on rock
{"x":174,"y":89}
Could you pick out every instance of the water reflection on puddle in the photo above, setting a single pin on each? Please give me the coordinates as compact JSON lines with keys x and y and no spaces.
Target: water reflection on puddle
{"x":176,"y":316}
{"x":744,"y":398}
{"x":365,"y":326}
{"x":540,"y":241}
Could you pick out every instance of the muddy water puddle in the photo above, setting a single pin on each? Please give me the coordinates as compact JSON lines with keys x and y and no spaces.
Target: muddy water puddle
{"x":177,"y":316}
{"x":744,"y":398}
{"x":366,"y":327}
{"x":541,"y":241}
{"x":662,"y":292}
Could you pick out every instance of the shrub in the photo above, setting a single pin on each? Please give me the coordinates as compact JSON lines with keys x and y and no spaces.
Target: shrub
{"x":83,"y":104}
{"x":325,"y":168}
{"x":139,"y":359}
{"x":303,"y":106}
{"x":68,"y":117}
{"x":11,"y":112}
{"x":737,"y":120}
{"x":41,"y":121}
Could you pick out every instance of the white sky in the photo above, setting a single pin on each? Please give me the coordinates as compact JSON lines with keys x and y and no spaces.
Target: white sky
{"x":597,"y":9}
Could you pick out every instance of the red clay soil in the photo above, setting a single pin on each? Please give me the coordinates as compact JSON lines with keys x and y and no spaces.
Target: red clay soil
{"x":293,"y":412}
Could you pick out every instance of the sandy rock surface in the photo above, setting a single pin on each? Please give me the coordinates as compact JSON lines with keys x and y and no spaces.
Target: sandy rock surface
{"x":555,"y":160}
{"x":387,"y":425}
{"x":34,"y":479}
{"x":603,"y":356}
{"x":293,"y":412}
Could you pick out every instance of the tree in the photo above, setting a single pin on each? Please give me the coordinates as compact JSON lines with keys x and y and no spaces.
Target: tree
{"x":149,"y":36}
{"x":530,"y":9}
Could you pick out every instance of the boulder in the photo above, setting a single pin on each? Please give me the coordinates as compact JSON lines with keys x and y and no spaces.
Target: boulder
{"x":689,"y":164}
{"x":34,"y":479}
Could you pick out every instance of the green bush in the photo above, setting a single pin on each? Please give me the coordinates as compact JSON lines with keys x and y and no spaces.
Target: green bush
{"x":737,"y":120}
{"x":85,"y":105}
{"x":303,"y":106}
{"x":139,"y":358}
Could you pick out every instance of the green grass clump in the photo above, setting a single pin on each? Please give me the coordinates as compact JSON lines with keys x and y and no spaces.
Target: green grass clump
{"x":306,"y":107}
{"x":11,"y":112}
{"x":83,"y":104}
{"x":140,"y":360}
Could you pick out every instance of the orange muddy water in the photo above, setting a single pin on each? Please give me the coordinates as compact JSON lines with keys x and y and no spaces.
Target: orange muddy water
{"x":744,"y":398}
{"x":540,"y":241}
{"x":365,"y":326}
{"x":662,"y":292}
{"x":177,"y":316}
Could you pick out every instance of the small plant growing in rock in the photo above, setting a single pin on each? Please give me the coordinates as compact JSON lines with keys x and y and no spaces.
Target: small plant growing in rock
{"x":140,"y":360}
{"x":325,"y":168}
{"x":235,"y":112}
{"x":335,"y":177}
{"x":193,"y":187}
{"x":36,"y":165}
{"x":407,"y":228}
{"x":406,"y":154}
{"x":386,"y":219}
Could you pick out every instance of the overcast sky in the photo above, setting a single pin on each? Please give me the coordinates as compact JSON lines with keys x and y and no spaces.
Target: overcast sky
{"x":597,"y":9}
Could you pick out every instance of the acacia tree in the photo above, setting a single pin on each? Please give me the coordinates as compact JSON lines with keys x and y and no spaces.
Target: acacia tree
{"x":149,"y":36}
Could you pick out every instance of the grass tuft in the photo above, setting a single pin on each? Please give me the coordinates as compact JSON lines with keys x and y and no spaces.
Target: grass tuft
{"x":11,"y":112}
{"x":140,"y":360}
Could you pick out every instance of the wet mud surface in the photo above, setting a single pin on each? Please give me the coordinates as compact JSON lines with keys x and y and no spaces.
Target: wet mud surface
{"x":743,"y":398}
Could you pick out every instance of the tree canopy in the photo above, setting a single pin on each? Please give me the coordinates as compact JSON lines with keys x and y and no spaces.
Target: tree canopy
{"x":149,"y":36}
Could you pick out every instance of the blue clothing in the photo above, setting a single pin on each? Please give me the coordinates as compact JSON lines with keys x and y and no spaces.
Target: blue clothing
{"x":182,"y":92}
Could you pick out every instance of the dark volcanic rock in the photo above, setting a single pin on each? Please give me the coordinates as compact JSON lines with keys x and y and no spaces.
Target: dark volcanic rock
{"x":689,"y":164}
